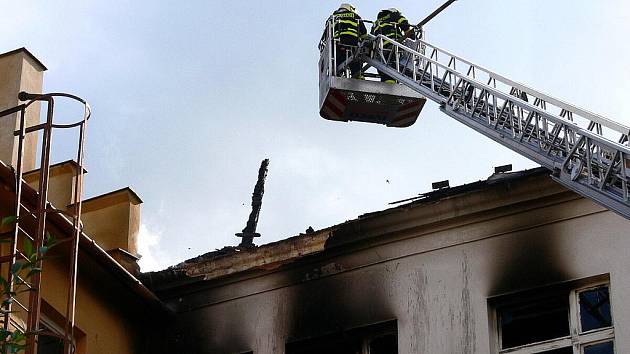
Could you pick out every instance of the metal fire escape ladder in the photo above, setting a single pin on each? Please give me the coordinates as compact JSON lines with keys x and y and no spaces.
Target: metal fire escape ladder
{"x":587,"y":153}
{"x":31,"y":227}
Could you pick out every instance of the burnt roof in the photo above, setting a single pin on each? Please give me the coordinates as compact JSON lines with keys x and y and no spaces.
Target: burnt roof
{"x":180,"y":273}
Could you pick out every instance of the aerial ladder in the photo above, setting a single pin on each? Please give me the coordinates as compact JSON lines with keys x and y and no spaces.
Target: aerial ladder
{"x":585,"y":152}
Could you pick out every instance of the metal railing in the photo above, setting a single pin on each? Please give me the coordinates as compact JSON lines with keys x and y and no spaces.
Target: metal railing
{"x":329,"y":48}
{"x":26,"y":216}
{"x":546,"y":102}
{"x":586,"y":152}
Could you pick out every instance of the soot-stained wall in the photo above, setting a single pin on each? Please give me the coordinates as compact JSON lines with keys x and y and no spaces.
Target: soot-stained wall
{"x":435,"y":282}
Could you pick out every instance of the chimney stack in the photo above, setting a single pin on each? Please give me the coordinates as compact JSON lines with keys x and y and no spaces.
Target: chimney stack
{"x":113,"y":221}
{"x":20,"y":71}
{"x":61,"y":186}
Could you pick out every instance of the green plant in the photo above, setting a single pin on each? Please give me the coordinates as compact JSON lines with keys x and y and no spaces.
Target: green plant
{"x":14,"y":340}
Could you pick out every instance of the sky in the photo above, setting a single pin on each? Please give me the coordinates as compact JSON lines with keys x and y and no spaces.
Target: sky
{"x":189,"y":97}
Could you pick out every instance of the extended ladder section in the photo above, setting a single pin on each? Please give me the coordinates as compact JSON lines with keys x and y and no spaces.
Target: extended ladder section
{"x":587,"y":153}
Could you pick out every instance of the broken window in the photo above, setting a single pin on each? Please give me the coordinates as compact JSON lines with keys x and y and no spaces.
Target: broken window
{"x":565,"y":320}
{"x":380,"y":338}
{"x":595,"y":309}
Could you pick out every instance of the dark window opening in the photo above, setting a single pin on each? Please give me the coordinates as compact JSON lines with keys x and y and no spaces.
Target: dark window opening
{"x":380,"y":338}
{"x":595,"y":309}
{"x":534,"y":321}
{"x":567,"y":350}
{"x":387,"y":344}
{"x":601,"y":348}
{"x":567,"y":318}
{"x":48,"y":344}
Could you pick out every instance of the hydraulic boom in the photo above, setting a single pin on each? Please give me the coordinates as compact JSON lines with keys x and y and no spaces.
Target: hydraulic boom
{"x":587,"y":153}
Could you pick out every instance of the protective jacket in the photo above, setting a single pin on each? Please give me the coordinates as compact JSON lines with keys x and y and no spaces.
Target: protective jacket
{"x":349,"y":28}
{"x":391,"y":24}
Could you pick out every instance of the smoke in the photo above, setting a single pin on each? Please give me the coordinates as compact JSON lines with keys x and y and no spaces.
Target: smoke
{"x":149,"y":246}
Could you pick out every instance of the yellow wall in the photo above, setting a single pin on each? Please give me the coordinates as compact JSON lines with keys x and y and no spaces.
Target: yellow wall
{"x":61,"y":186}
{"x":112,"y":317}
{"x":113,"y":220}
{"x":108,"y":325}
{"x":18,"y":72}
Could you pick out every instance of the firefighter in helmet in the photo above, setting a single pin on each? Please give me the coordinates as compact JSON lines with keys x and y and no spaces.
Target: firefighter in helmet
{"x":349,"y":31}
{"x":392,"y":24}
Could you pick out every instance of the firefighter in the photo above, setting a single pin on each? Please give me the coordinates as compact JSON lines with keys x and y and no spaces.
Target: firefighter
{"x":348,"y":32}
{"x":392,"y":24}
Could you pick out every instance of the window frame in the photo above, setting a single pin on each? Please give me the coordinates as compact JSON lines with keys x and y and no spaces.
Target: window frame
{"x":363,"y":335}
{"x":577,"y":339}
{"x":54,"y":328}
{"x":50,"y":318}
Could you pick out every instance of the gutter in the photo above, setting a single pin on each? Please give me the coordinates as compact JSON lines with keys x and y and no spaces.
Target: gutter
{"x":7,"y":177}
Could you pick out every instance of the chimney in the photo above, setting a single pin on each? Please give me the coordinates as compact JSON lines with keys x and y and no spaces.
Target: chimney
{"x":113,"y":221}
{"x":19,"y":71}
{"x":61,"y":188}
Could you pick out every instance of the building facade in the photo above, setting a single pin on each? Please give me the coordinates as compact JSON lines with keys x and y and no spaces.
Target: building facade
{"x":513,"y":264}
{"x":115,"y":313}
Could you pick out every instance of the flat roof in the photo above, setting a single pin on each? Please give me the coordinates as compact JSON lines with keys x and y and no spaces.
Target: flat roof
{"x":124,"y":189}
{"x":27,"y":52}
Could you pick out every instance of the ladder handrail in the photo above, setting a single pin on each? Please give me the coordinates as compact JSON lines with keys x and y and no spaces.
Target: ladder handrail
{"x":40,"y":213}
{"x":582,"y":158}
{"x":620,"y":128}
{"x":529,"y":106}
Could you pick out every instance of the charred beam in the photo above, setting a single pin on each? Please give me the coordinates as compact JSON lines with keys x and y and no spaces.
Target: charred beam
{"x":249,"y":232}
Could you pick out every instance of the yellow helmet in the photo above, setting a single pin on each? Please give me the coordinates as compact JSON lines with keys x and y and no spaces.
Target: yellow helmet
{"x":347,"y":7}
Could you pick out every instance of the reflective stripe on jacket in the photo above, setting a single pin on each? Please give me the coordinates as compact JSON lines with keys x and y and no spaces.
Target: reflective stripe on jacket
{"x":349,"y":28}
{"x":391,"y":24}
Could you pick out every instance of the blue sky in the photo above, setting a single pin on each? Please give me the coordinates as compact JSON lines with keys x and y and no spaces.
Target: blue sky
{"x":189,"y":97}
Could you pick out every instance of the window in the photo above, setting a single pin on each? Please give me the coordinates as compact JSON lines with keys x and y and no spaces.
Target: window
{"x":568,"y":319}
{"x":375,"y":339}
{"x":50,"y":340}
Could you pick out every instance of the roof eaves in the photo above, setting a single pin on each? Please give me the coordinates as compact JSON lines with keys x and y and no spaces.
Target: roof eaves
{"x":202,"y":266}
{"x":92,"y":248}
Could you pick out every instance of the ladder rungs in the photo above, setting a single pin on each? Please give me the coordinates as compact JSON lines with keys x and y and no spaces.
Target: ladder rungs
{"x":25,"y":233}
{"x":7,"y":258}
{"x":15,"y":301}
{"x":530,"y":127}
{"x":24,"y":282}
{"x":27,"y":209}
{"x":21,"y":255}
{"x":31,"y":129}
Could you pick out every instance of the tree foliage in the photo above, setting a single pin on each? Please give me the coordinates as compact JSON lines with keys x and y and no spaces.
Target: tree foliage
{"x":14,"y":340}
